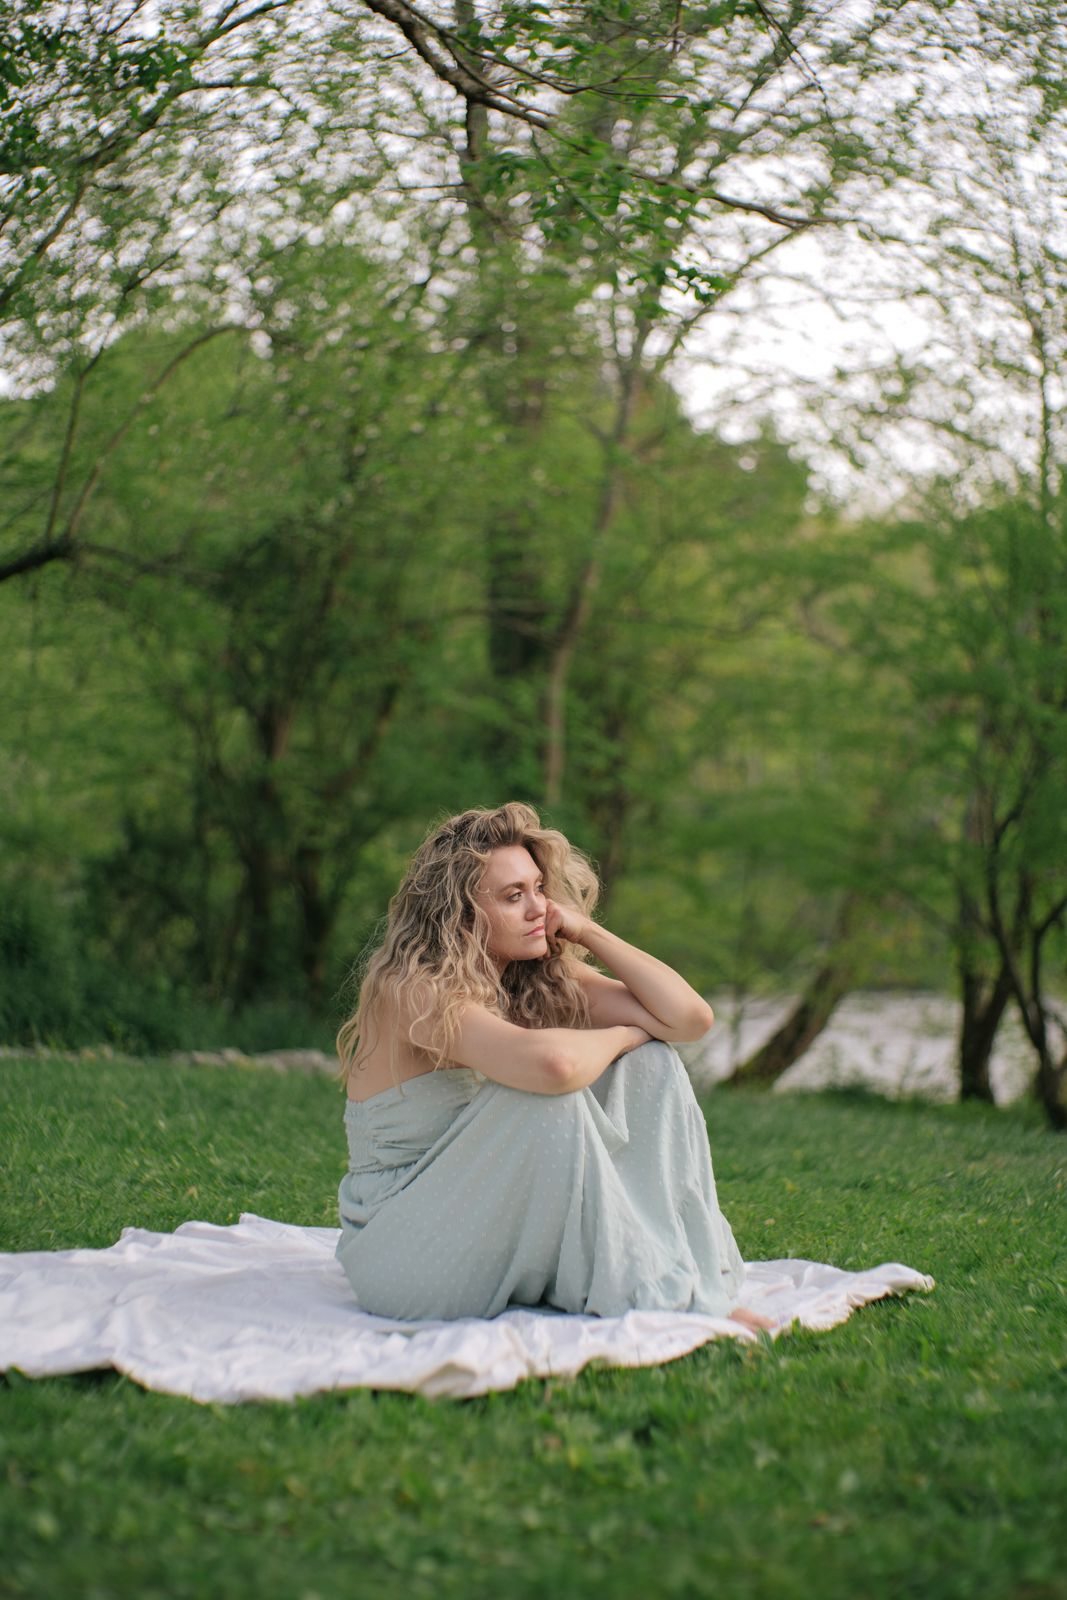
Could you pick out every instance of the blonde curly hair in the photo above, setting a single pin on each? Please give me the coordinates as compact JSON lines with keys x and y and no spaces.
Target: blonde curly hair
{"x":435,"y":954}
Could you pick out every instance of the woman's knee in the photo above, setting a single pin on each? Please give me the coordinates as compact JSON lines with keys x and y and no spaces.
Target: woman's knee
{"x":659,"y":1051}
{"x":550,"y":1122}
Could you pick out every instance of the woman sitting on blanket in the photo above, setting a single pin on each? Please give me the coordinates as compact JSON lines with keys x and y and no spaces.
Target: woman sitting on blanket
{"x":521,"y":1131}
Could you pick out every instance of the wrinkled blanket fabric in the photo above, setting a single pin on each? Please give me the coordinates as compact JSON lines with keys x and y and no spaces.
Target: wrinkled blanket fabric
{"x":262,"y":1310}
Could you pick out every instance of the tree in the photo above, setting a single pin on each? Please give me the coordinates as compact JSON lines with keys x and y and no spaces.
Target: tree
{"x":286,"y":612}
{"x":967,"y":614}
{"x":613,"y":160}
{"x":126,"y":142}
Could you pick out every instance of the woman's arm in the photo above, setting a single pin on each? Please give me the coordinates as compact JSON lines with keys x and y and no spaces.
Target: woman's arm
{"x":539,"y":1060}
{"x":587,"y":1051}
{"x":650,"y":994}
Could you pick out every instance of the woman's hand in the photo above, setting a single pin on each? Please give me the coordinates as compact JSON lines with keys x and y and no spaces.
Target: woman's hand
{"x":639,"y":1037}
{"x":563,"y":923}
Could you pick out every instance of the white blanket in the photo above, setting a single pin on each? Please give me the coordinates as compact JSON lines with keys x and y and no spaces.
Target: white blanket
{"x":262,"y":1311}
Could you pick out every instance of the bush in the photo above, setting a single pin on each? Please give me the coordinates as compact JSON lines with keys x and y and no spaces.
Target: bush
{"x":42,"y":995}
{"x":55,"y":992}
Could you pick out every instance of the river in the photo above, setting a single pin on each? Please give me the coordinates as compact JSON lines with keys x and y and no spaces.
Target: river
{"x":898,"y":1044}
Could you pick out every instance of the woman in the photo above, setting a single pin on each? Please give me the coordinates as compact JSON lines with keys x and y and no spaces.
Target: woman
{"x":520,"y":1130}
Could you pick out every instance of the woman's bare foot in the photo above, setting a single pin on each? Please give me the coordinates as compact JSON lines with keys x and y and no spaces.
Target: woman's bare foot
{"x":750,"y":1319}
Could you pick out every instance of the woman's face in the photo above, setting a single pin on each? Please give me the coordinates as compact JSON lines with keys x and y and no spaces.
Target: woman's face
{"x":512,"y":897}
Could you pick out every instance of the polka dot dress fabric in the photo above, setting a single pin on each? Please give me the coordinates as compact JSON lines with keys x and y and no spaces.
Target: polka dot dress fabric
{"x":465,"y":1197}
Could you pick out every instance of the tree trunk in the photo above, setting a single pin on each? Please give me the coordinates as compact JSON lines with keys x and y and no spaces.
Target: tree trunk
{"x":799,"y":1031}
{"x":810,"y":1014}
{"x":1050,"y":1088}
{"x":1050,"y":1082}
{"x":260,"y":835}
{"x":517,"y":613}
{"x":517,"y":636}
{"x":583,"y":590}
{"x":983,"y":1008}
{"x":317,"y":917}
{"x":253,"y":977}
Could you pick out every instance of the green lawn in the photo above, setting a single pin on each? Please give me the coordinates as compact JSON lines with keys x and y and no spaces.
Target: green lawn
{"x":919,"y":1450}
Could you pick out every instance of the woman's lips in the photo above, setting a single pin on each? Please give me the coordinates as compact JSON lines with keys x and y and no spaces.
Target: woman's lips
{"x":533,"y":931}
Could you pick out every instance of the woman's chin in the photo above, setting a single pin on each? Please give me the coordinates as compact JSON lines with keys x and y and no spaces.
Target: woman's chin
{"x":533,"y":948}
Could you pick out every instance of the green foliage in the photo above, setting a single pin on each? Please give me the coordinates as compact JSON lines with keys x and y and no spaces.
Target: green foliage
{"x":967,"y":620}
{"x":41,"y":981}
{"x":286,"y":622}
{"x":330,"y":645}
{"x":57,"y":991}
{"x":377,"y":508}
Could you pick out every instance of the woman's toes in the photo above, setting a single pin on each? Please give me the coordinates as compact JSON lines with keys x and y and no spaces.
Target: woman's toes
{"x":750,"y":1319}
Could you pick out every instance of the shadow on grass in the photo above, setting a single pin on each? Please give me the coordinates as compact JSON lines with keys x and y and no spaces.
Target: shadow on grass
{"x":97,"y":1379}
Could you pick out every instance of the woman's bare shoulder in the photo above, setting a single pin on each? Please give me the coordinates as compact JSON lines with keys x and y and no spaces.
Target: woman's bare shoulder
{"x":414,"y":1009}
{"x":402,"y":1001}
{"x":410,"y":1012}
{"x":389,"y":1055}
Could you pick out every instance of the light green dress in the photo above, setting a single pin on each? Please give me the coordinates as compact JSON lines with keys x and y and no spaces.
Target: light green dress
{"x":464,"y":1197}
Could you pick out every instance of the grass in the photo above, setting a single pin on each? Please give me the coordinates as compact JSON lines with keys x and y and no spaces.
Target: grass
{"x":919,"y":1450}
